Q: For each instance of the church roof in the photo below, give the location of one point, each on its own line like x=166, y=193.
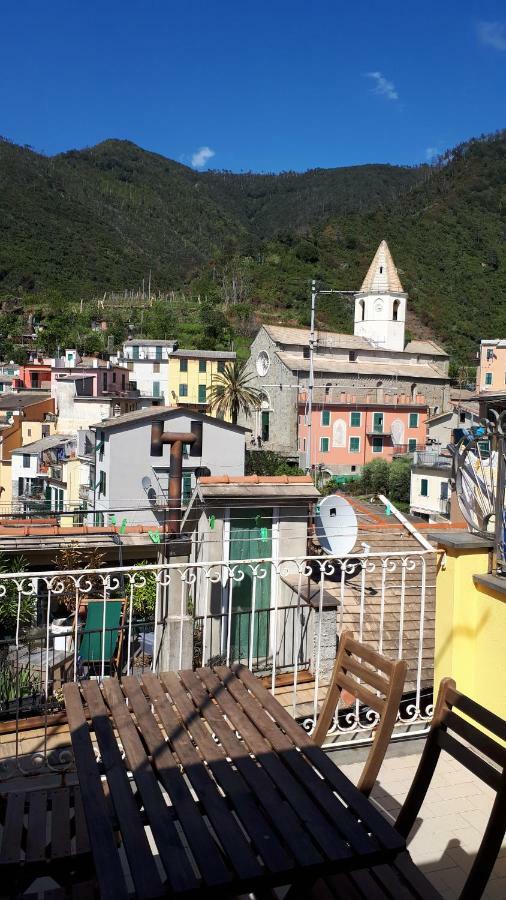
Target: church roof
x=294, y=337
x=382, y=275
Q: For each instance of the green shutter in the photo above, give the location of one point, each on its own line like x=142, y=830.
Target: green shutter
x=326, y=417
x=202, y=393
x=356, y=420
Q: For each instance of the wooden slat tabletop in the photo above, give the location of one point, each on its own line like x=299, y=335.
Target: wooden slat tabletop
x=236, y=796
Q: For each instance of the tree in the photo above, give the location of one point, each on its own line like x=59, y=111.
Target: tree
x=265, y=462
x=399, y=479
x=232, y=393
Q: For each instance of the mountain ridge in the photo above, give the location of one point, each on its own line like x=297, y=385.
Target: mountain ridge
x=99, y=219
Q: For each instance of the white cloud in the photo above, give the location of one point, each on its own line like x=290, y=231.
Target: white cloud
x=493, y=34
x=383, y=86
x=201, y=157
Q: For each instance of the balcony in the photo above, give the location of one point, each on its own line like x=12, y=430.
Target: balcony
x=173, y=621
x=379, y=432
x=432, y=459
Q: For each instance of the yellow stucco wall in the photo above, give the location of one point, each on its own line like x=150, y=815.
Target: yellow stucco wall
x=470, y=630
x=191, y=379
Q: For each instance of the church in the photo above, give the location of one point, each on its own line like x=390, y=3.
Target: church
x=372, y=391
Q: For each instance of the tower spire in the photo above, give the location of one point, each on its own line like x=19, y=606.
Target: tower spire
x=382, y=275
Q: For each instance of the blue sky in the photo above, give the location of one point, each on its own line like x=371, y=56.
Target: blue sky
x=266, y=86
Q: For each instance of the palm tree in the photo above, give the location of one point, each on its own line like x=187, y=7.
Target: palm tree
x=231, y=392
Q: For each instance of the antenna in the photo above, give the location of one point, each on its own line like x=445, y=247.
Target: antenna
x=336, y=525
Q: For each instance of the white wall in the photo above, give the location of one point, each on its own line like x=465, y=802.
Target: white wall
x=127, y=460
x=430, y=505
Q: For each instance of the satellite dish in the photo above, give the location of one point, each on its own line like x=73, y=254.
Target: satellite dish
x=336, y=525
x=146, y=483
x=151, y=495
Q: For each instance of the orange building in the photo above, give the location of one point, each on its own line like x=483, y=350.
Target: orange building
x=349, y=431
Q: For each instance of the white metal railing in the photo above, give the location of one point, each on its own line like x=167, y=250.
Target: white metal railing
x=278, y=616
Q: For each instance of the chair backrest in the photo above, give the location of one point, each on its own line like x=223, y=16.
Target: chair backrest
x=94, y=643
x=376, y=682
x=477, y=751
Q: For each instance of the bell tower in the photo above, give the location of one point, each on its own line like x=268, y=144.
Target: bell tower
x=380, y=305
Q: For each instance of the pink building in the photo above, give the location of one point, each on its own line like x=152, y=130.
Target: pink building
x=491, y=376
x=351, y=431
x=34, y=376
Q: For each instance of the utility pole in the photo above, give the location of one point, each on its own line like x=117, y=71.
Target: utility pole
x=149, y=285
x=310, y=386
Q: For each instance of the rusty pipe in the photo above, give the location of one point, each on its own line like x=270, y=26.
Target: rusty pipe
x=175, y=439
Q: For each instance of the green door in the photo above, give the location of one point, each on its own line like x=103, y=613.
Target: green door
x=251, y=538
x=378, y=423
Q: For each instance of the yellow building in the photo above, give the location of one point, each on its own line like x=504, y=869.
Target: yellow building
x=470, y=620
x=191, y=375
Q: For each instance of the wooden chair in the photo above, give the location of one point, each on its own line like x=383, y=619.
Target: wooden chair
x=43, y=832
x=475, y=750
x=354, y=661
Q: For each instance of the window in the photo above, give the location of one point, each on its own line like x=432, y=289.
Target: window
x=183, y=390
x=183, y=365
x=29, y=432
x=490, y=353
x=221, y=366
x=381, y=270
x=156, y=388
x=424, y=487
x=413, y=420
x=325, y=417
x=395, y=310
x=324, y=445
x=123, y=382
x=46, y=431
x=488, y=378
x=377, y=423
x=187, y=487
x=102, y=484
x=130, y=366
x=158, y=353
x=353, y=468
x=265, y=425
x=104, y=381
x=411, y=445
x=377, y=445
x=305, y=352
x=156, y=368
x=444, y=490
x=26, y=460
x=135, y=352
x=352, y=356
x=114, y=376
x=202, y=366
x=202, y=393
x=462, y=417
x=355, y=419
x=354, y=445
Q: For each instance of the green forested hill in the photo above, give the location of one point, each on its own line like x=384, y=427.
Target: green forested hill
x=243, y=247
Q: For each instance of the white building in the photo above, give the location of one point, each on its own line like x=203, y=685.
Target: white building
x=124, y=475
x=446, y=427
x=148, y=362
x=430, y=490
x=380, y=305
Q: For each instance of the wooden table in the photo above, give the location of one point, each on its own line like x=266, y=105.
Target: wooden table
x=203, y=752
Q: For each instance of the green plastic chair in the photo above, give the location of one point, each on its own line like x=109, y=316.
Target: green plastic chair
x=92, y=635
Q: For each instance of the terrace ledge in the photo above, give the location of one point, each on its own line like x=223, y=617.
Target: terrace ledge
x=494, y=583
x=460, y=540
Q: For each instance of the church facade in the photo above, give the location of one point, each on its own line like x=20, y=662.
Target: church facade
x=371, y=370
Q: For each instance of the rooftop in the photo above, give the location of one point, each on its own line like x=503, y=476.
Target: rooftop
x=45, y=443
x=300, y=336
x=206, y=354
x=145, y=342
x=22, y=399
x=428, y=347
x=162, y=412
x=296, y=362
x=297, y=487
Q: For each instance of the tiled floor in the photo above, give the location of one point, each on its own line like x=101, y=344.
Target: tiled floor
x=452, y=820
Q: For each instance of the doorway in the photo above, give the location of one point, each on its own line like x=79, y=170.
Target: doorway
x=250, y=538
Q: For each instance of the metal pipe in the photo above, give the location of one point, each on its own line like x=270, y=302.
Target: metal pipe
x=175, y=439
